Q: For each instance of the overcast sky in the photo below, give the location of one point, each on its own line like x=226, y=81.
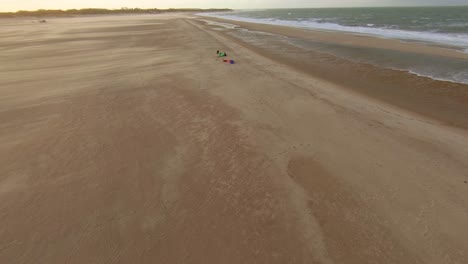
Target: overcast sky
x=14, y=5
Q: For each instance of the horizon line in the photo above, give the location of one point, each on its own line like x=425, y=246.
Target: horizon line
x=257, y=8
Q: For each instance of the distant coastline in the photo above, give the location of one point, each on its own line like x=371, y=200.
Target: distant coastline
x=101, y=11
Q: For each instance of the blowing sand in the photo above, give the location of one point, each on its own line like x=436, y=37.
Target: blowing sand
x=126, y=140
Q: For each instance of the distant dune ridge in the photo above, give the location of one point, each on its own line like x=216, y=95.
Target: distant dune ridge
x=102, y=11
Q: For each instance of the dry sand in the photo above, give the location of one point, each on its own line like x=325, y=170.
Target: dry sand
x=126, y=140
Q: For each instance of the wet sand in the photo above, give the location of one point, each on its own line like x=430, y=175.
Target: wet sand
x=126, y=140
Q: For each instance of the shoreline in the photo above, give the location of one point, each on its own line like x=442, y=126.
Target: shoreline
x=444, y=101
x=353, y=38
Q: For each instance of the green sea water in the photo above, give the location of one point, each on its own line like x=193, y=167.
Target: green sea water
x=422, y=19
x=441, y=26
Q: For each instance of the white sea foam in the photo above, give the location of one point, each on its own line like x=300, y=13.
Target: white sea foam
x=455, y=78
x=456, y=40
x=225, y=25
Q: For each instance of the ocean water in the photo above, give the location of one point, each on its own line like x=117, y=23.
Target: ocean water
x=441, y=26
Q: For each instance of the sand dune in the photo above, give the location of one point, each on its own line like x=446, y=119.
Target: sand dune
x=126, y=140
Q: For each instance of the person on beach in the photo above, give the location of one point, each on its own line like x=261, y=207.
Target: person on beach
x=221, y=54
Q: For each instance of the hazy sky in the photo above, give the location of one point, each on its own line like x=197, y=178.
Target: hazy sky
x=14, y=5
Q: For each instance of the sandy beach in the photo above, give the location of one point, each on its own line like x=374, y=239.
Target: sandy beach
x=125, y=139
